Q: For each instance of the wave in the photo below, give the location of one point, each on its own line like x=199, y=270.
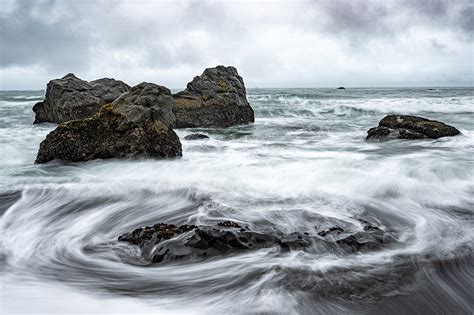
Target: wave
x=295, y=106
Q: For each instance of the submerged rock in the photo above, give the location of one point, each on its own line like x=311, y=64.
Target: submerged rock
x=167, y=242
x=137, y=123
x=196, y=136
x=71, y=98
x=410, y=127
x=215, y=99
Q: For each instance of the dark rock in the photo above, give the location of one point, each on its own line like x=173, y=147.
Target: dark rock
x=71, y=98
x=229, y=224
x=410, y=127
x=138, y=123
x=378, y=133
x=167, y=242
x=155, y=233
x=371, y=237
x=341, y=88
x=194, y=241
x=196, y=136
x=333, y=230
x=215, y=99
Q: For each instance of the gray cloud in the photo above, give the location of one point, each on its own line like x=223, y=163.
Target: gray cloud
x=362, y=19
x=29, y=35
x=300, y=43
x=357, y=18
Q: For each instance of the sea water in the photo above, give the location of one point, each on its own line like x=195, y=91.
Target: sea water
x=305, y=158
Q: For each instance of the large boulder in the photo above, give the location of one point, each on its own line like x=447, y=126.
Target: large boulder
x=215, y=99
x=410, y=127
x=168, y=242
x=138, y=123
x=71, y=98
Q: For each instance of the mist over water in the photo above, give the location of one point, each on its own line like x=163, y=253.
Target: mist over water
x=302, y=164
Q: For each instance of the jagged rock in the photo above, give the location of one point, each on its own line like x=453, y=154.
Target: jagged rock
x=371, y=237
x=167, y=242
x=71, y=98
x=137, y=123
x=215, y=99
x=196, y=136
x=410, y=127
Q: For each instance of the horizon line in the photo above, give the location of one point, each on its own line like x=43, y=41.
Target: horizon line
x=307, y=87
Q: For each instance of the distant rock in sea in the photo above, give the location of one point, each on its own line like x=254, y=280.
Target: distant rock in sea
x=410, y=127
x=341, y=88
x=196, y=136
x=71, y=98
x=138, y=123
x=215, y=99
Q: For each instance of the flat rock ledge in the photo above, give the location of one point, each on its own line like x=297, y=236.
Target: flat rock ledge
x=164, y=242
x=138, y=123
x=215, y=99
x=70, y=98
x=410, y=127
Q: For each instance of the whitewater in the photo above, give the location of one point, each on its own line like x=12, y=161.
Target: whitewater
x=303, y=162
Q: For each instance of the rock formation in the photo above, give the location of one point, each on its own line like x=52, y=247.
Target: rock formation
x=410, y=127
x=135, y=124
x=215, y=99
x=167, y=242
x=71, y=98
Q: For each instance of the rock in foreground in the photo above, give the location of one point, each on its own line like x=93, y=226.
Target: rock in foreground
x=216, y=99
x=167, y=242
x=71, y=98
x=410, y=127
x=135, y=124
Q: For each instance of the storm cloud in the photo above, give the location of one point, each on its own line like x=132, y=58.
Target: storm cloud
x=272, y=43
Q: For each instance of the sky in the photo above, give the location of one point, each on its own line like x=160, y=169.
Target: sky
x=320, y=43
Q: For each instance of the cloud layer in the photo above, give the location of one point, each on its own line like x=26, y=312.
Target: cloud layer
x=272, y=43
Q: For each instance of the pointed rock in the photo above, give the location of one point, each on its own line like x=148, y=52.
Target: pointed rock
x=215, y=99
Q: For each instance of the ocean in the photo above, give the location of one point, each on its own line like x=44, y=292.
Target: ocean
x=304, y=160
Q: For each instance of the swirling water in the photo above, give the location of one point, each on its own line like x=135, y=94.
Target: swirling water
x=303, y=160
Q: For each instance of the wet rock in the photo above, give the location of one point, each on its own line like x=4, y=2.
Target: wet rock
x=341, y=88
x=410, y=127
x=70, y=98
x=156, y=233
x=215, y=99
x=229, y=224
x=195, y=241
x=196, y=136
x=369, y=238
x=332, y=230
x=167, y=242
x=138, y=123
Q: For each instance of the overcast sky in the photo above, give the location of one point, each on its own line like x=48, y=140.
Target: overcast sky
x=319, y=43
